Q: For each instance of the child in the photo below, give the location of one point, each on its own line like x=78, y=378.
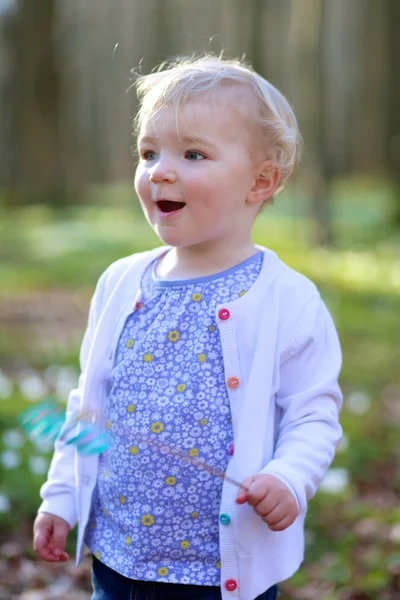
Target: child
x=209, y=344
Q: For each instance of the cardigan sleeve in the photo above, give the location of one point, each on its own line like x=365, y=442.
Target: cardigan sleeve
x=58, y=492
x=310, y=400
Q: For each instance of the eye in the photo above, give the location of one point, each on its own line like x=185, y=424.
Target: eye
x=148, y=155
x=194, y=156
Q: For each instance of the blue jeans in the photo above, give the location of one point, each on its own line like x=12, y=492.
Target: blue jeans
x=110, y=585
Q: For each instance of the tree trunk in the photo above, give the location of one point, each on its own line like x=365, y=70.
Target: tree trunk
x=37, y=170
x=370, y=116
x=393, y=129
x=307, y=21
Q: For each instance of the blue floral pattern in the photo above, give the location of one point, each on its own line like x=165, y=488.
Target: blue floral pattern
x=155, y=516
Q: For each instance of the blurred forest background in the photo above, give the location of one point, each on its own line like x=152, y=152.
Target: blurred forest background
x=68, y=208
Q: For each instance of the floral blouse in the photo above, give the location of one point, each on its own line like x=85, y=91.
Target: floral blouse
x=155, y=516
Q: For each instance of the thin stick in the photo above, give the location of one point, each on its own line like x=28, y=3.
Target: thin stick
x=160, y=445
x=45, y=415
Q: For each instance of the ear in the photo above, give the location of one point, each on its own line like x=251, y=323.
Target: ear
x=266, y=181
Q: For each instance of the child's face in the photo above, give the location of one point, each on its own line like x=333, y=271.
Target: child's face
x=193, y=183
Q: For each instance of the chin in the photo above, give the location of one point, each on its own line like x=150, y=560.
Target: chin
x=170, y=240
x=176, y=240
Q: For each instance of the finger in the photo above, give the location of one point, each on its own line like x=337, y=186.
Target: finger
x=241, y=497
x=48, y=555
x=258, y=491
x=267, y=505
x=60, y=531
x=41, y=539
x=63, y=557
x=43, y=547
x=274, y=516
x=283, y=524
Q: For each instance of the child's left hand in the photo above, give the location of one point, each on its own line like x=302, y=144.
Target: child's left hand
x=271, y=499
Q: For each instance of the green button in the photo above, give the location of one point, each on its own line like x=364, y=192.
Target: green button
x=224, y=519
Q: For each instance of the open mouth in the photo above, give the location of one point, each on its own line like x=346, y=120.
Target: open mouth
x=167, y=206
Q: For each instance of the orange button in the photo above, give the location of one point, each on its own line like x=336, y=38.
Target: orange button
x=233, y=382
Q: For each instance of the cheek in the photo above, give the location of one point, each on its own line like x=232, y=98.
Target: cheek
x=201, y=187
x=211, y=193
x=141, y=183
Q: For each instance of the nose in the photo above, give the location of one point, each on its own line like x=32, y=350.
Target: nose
x=162, y=171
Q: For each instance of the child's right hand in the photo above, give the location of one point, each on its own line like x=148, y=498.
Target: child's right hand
x=49, y=537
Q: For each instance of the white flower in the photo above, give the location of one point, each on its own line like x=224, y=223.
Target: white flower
x=5, y=503
x=335, y=481
x=395, y=533
x=13, y=438
x=358, y=403
x=38, y=465
x=6, y=386
x=10, y=459
x=32, y=386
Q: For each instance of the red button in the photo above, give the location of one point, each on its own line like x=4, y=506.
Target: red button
x=224, y=314
x=138, y=305
x=231, y=585
x=233, y=382
x=231, y=449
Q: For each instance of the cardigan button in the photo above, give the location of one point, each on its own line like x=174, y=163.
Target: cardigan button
x=138, y=305
x=231, y=449
x=224, y=519
x=224, y=314
x=233, y=382
x=231, y=585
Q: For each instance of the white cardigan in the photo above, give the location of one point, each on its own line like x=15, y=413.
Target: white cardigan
x=282, y=345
